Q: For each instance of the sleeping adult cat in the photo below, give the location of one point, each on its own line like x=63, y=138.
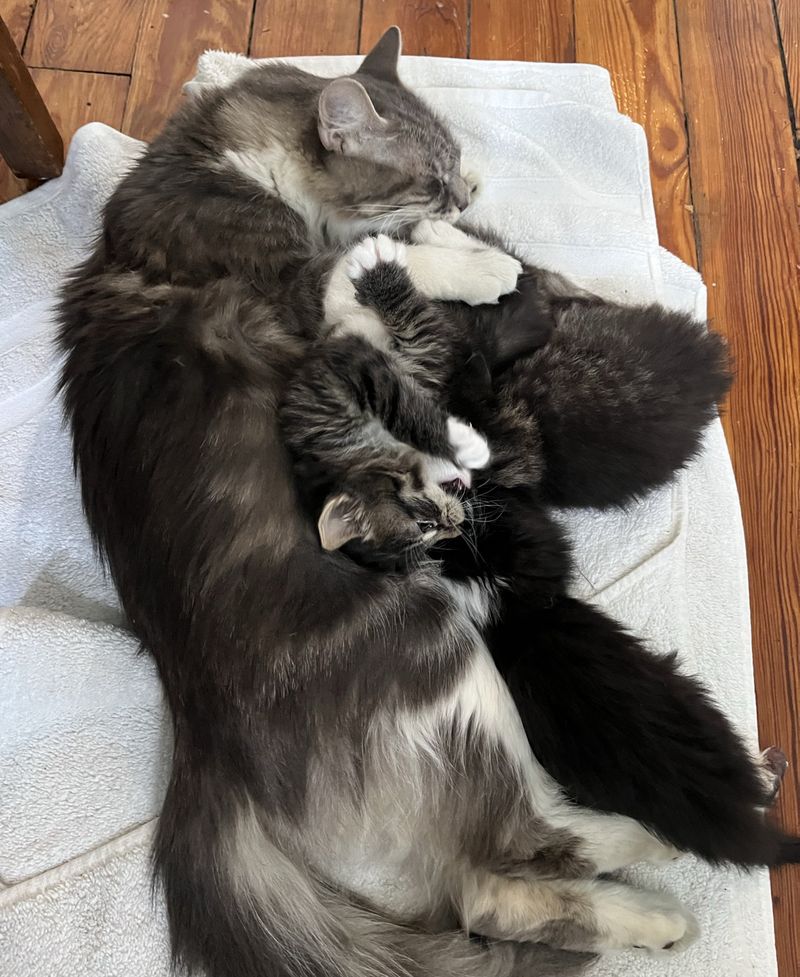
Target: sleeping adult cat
x=351, y=786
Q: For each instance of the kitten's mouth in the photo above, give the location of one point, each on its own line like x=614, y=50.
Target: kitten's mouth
x=457, y=485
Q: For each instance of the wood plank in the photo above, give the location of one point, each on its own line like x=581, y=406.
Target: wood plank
x=789, y=20
x=637, y=41
x=84, y=35
x=17, y=16
x=29, y=141
x=75, y=98
x=744, y=181
x=533, y=30
x=435, y=27
x=286, y=27
x=78, y=97
x=173, y=34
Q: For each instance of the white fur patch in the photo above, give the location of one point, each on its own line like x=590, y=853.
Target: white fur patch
x=279, y=173
x=475, y=277
x=470, y=447
x=626, y=917
x=345, y=315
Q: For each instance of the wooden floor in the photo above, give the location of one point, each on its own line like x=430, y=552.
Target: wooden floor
x=714, y=83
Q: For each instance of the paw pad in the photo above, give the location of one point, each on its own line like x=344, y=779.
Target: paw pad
x=371, y=252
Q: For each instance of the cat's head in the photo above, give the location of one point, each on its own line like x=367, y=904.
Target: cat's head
x=387, y=151
x=389, y=520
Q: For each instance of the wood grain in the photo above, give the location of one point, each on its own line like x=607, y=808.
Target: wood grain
x=744, y=179
x=286, y=27
x=78, y=97
x=173, y=34
x=74, y=98
x=637, y=41
x=436, y=27
x=789, y=20
x=84, y=35
x=17, y=17
x=523, y=30
x=29, y=141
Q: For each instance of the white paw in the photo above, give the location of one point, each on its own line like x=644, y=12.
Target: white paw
x=485, y=276
x=471, y=449
x=373, y=251
x=441, y=234
x=653, y=921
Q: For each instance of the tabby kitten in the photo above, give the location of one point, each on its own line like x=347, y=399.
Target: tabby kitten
x=352, y=789
x=597, y=706
x=622, y=729
x=378, y=461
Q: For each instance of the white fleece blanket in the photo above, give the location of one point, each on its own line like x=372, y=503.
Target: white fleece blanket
x=84, y=740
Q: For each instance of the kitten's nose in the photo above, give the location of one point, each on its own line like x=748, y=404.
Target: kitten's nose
x=459, y=189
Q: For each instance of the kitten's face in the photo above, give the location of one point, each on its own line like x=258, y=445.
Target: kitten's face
x=388, y=155
x=390, y=521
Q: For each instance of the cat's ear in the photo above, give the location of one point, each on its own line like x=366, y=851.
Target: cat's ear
x=347, y=120
x=339, y=522
x=381, y=62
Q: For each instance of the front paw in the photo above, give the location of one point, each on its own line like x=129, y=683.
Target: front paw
x=470, y=448
x=377, y=268
x=484, y=277
x=371, y=252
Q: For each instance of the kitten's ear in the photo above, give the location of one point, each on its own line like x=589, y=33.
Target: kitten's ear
x=339, y=522
x=381, y=62
x=347, y=118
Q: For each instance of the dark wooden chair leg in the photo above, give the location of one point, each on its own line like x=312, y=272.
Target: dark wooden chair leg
x=29, y=140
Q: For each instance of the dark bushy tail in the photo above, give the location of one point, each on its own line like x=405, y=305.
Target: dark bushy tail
x=622, y=396
x=240, y=906
x=624, y=731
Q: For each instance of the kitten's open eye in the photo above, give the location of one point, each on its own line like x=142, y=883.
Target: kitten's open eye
x=426, y=527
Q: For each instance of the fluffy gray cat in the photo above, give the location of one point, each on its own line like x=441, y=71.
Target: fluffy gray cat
x=352, y=790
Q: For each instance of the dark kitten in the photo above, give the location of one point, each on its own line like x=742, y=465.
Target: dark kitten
x=621, y=728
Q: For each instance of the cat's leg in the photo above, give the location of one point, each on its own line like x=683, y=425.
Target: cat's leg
x=477, y=276
x=420, y=332
x=595, y=702
x=576, y=914
x=446, y=264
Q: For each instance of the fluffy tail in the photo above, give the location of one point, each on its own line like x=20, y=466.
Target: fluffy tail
x=239, y=905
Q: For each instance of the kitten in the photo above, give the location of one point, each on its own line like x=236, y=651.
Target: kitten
x=352, y=789
x=377, y=459
x=597, y=706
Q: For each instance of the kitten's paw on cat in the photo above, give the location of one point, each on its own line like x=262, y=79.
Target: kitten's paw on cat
x=371, y=252
x=470, y=448
x=637, y=918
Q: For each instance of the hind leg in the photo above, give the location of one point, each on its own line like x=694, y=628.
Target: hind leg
x=591, y=915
